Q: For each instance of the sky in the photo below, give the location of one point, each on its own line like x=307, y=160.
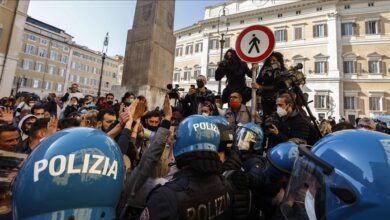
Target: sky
x=88, y=21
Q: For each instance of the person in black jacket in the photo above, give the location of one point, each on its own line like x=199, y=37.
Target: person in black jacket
x=292, y=125
x=195, y=97
x=235, y=70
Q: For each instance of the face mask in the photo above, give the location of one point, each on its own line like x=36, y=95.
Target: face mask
x=234, y=104
x=39, y=116
x=309, y=206
x=31, y=104
x=205, y=114
x=131, y=101
x=218, y=105
x=200, y=83
x=281, y=111
x=152, y=128
x=110, y=102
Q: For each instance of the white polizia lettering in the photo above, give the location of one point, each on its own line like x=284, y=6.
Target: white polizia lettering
x=60, y=164
x=205, y=126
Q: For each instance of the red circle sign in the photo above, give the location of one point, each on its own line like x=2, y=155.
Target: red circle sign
x=255, y=43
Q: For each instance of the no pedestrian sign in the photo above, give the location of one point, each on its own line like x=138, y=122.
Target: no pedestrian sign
x=255, y=43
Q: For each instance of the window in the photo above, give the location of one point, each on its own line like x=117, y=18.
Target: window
x=320, y=30
x=260, y=18
x=242, y=22
x=48, y=85
x=179, y=51
x=40, y=67
x=371, y=4
x=372, y=27
x=298, y=35
x=31, y=37
x=66, y=49
x=51, y=69
x=198, y=47
x=196, y=74
x=280, y=15
x=30, y=49
x=27, y=64
x=213, y=26
x=211, y=73
x=188, y=49
x=298, y=12
x=320, y=67
x=59, y=87
x=319, y=9
x=42, y=52
x=54, y=55
x=350, y=103
x=55, y=45
x=281, y=35
x=374, y=66
x=348, y=29
x=64, y=58
x=61, y=72
x=35, y=83
x=321, y=101
x=176, y=77
x=349, y=67
x=213, y=44
x=375, y=103
x=187, y=75
x=347, y=7
x=43, y=41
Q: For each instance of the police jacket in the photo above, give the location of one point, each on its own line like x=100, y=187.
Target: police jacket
x=136, y=178
x=294, y=127
x=190, y=195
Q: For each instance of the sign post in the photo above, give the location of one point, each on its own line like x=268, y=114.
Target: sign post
x=254, y=44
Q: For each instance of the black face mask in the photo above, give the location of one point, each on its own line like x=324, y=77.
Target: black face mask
x=152, y=128
x=199, y=83
x=110, y=102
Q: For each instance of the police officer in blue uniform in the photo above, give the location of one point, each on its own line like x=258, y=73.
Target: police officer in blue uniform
x=74, y=174
x=197, y=190
x=346, y=175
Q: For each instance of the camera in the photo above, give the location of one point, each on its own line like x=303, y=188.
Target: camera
x=224, y=63
x=173, y=93
x=293, y=77
x=270, y=120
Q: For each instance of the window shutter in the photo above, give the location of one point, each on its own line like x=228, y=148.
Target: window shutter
x=327, y=102
x=355, y=66
x=315, y=67
x=316, y=101
x=383, y=67
x=285, y=35
x=325, y=30
x=210, y=43
x=345, y=67
x=367, y=31
x=355, y=29
x=370, y=70
x=359, y=68
x=326, y=67
x=343, y=29
x=379, y=24
x=227, y=42
x=370, y=103
x=314, y=31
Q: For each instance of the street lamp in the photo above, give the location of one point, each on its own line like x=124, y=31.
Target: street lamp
x=222, y=19
x=104, y=51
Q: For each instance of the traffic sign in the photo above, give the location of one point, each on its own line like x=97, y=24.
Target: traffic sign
x=255, y=43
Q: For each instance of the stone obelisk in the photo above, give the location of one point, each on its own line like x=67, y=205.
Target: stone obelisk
x=150, y=47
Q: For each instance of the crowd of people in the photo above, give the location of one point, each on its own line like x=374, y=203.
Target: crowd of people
x=194, y=160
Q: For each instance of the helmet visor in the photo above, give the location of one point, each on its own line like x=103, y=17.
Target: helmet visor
x=245, y=139
x=304, y=198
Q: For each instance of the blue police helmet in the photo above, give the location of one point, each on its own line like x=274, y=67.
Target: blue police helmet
x=249, y=136
x=196, y=133
x=283, y=156
x=218, y=119
x=76, y=173
x=346, y=175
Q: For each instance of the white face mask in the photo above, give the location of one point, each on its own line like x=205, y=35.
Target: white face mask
x=281, y=111
x=205, y=114
x=309, y=206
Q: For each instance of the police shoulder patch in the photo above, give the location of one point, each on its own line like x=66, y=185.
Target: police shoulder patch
x=145, y=214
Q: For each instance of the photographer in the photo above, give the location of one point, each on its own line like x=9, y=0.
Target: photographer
x=292, y=125
x=195, y=97
x=267, y=81
x=235, y=71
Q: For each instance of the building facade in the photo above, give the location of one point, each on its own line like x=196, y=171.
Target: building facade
x=12, y=19
x=341, y=44
x=50, y=62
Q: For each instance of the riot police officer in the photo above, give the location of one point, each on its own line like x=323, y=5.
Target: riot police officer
x=197, y=191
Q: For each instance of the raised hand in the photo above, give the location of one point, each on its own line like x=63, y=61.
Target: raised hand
x=6, y=114
x=167, y=108
x=52, y=126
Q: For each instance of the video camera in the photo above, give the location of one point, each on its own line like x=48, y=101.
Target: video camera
x=293, y=77
x=173, y=93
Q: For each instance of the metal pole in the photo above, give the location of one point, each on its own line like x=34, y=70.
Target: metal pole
x=101, y=74
x=222, y=41
x=254, y=103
